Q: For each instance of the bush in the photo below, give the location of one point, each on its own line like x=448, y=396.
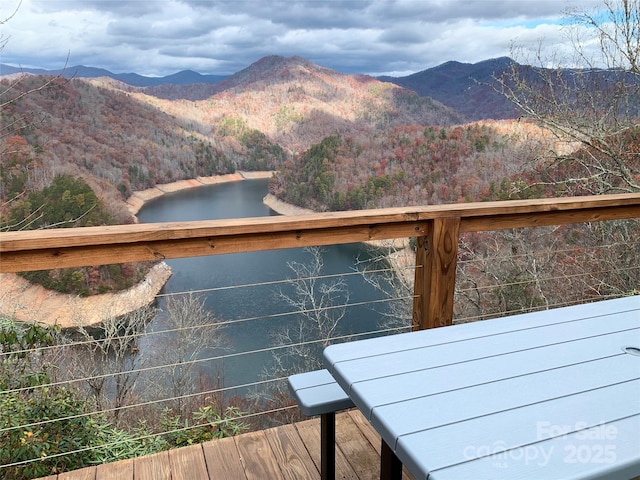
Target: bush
x=28, y=439
x=206, y=424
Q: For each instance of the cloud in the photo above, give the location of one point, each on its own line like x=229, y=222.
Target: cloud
x=159, y=37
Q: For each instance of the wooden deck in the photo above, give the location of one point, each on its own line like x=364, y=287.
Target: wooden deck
x=286, y=452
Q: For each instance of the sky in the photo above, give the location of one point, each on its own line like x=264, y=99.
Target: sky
x=375, y=37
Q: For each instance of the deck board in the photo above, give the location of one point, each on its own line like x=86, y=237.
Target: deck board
x=223, y=459
x=152, y=467
x=357, y=449
x=291, y=454
x=285, y=452
x=115, y=471
x=187, y=462
x=82, y=474
x=257, y=456
x=309, y=431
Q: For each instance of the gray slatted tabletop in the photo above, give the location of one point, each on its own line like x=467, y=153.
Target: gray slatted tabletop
x=546, y=395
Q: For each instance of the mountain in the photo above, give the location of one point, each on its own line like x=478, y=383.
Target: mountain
x=122, y=138
x=464, y=87
x=184, y=77
x=297, y=103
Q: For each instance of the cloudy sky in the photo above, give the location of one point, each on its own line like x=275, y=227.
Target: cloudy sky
x=160, y=37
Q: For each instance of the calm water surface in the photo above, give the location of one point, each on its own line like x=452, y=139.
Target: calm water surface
x=244, y=199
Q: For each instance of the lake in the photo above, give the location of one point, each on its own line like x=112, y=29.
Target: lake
x=236, y=200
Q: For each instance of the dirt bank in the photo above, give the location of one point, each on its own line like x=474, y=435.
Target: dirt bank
x=137, y=199
x=24, y=301
x=283, y=208
x=400, y=255
x=27, y=302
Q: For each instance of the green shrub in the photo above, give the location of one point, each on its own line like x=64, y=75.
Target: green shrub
x=28, y=439
x=206, y=424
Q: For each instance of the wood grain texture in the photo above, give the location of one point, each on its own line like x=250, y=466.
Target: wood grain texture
x=361, y=455
x=295, y=462
x=187, y=462
x=72, y=247
x=152, y=467
x=81, y=474
x=435, y=277
x=310, y=434
x=223, y=460
x=257, y=456
x=115, y=471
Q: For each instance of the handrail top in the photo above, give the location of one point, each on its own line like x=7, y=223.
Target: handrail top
x=116, y=234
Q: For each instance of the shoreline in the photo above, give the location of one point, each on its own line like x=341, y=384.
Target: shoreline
x=138, y=198
x=27, y=302
x=399, y=254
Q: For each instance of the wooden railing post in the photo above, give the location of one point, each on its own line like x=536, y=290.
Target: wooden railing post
x=435, y=276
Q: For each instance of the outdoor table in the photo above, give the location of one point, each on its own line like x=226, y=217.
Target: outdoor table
x=553, y=394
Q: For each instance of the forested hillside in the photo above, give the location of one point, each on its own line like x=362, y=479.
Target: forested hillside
x=411, y=165
x=467, y=88
x=296, y=104
x=105, y=135
x=121, y=139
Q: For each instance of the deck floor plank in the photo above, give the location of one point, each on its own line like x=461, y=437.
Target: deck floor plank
x=152, y=467
x=81, y=474
x=115, y=471
x=286, y=452
x=310, y=433
x=187, y=463
x=257, y=457
x=356, y=448
x=223, y=459
x=372, y=436
x=291, y=454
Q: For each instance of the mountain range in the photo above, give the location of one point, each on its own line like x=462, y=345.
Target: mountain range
x=464, y=87
x=184, y=77
x=338, y=141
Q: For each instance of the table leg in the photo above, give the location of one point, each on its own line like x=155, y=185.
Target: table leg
x=390, y=465
x=328, y=446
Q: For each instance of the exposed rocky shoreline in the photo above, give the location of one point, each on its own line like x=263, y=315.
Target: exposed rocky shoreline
x=398, y=252
x=26, y=302
x=283, y=208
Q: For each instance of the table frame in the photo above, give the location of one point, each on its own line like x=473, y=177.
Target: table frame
x=390, y=378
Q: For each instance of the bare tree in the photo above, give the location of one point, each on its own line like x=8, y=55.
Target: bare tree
x=590, y=101
x=319, y=303
x=109, y=359
x=389, y=269
x=16, y=154
x=192, y=330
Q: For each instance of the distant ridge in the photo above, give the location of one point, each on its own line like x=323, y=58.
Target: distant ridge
x=465, y=87
x=185, y=77
x=261, y=75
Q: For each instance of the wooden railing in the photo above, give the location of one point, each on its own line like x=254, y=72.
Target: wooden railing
x=437, y=229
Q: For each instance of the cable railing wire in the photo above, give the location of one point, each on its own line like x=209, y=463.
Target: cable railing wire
x=348, y=337
x=474, y=318
x=152, y=435
x=221, y=323
x=218, y=324
x=462, y=263
x=547, y=279
x=199, y=360
x=573, y=250
x=200, y=326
